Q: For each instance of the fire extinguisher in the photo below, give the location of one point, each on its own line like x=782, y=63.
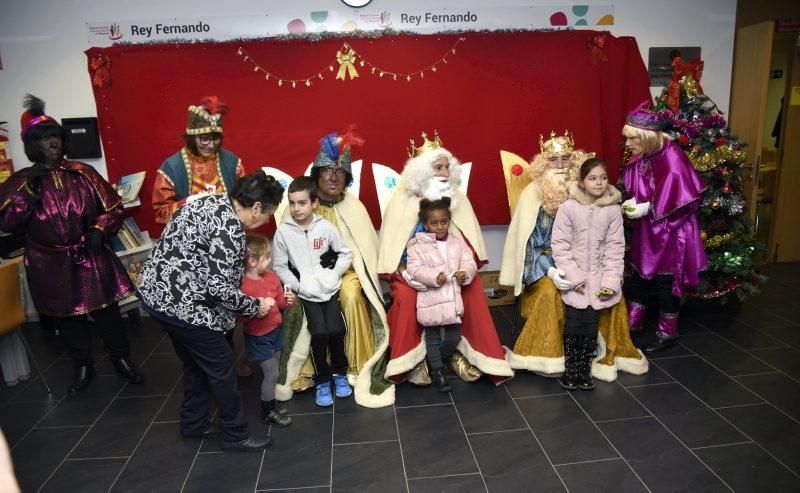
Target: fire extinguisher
x=6, y=166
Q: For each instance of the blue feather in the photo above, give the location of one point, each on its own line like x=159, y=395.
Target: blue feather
x=329, y=146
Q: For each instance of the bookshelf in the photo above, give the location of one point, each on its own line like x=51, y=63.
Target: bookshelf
x=132, y=259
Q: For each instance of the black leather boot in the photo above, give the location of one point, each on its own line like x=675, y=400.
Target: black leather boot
x=249, y=444
x=270, y=414
x=569, y=380
x=83, y=376
x=437, y=375
x=586, y=349
x=127, y=370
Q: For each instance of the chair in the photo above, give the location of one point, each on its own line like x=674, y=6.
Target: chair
x=13, y=310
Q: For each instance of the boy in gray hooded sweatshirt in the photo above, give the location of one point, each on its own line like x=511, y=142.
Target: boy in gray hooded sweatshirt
x=310, y=258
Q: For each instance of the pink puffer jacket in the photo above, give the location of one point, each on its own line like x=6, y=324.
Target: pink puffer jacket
x=439, y=305
x=589, y=245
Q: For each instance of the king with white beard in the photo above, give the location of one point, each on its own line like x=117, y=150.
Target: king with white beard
x=528, y=266
x=432, y=172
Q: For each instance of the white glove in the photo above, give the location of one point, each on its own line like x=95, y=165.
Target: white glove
x=414, y=284
x=634, y=210
x=557, y=275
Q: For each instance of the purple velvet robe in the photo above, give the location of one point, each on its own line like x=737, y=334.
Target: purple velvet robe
x=64, y=277
x=667, y=240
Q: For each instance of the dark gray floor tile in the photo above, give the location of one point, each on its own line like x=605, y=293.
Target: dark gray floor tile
x=85, y=475
x=251, y=402
x=321, y=489
x=658, y=458
x=141, y=347
x=407, y=394
x=609, y=401
x=40, y=453
x=161, y=461
x=360, y=424
x=161, y=372
x=687, y=417
x=746, y=467
x=84, y=408
x=164, y=346
x=757, y=318
x=225, y=471
x=300, y=455
x=468, y=483
x=565, y=432
x=368, y=467
x=778, y=389
x=610, y=476
x=171, y=411
x=484, y=407
x=747, y=337
x=433, y=442
x=786, y=360
x=724, y=355
x=303, y=403
x=513, y=461
x=706, y=382
x=654, y=375
x=119, y=429
x=770, y=428
x=791, y=315
x=58, y=376
x=527, y=384
x=790, y=334
x=16, y=418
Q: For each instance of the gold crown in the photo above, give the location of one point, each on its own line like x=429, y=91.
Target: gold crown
x=427, y=145
x=556, y=145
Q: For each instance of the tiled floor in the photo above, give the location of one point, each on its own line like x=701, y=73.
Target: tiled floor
x=721, y=411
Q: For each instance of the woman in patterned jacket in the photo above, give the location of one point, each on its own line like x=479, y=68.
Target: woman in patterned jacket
x=191, y=285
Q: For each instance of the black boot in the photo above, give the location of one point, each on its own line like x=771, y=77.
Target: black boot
x=280, y=409
x=662, y=342
x=569, y=380
x=270, y=415
x=127, y=370
x=249, y=444
x=440, y=381
x=586, y=349
x=83, y=376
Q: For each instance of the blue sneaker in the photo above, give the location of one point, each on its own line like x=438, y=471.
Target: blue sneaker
x=341, y=385
x=324, y=397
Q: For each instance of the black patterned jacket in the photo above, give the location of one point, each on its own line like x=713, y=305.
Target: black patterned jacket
x=195, y=270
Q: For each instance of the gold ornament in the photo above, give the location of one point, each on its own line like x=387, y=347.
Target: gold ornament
x=716, y=204
x=346, y=67
x=718, y=156
x=427, y=145
x=689, y=85
x=556, y=145
x=703, y=235
x=717, y=241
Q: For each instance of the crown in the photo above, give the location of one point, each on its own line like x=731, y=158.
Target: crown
x=556, y=145
x=642, y=117
x=427, y=145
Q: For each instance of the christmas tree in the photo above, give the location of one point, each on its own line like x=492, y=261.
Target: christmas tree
x=697, y=125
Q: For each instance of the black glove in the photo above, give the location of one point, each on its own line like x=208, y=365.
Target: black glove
x=95, y=240
x=35, y=175
x=328, y=259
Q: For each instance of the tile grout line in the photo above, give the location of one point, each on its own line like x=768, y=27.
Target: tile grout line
x=621, y=419
x=495, y=431
x=424, y=405
x=537, y=396
x=362, y=443
x=546, y=455
x=723, y=445
x=681, y=441
x=620, y=456
x=400, y=444
x=756, y=374
x=596, y=460
x=446, y=476
x=715, y=411
x=261, y=462
x=333, y=432
x=648, y=384
x=155, y=416
x=738, y=405
x=296, y=488
x=469, y=444
x=95, y=458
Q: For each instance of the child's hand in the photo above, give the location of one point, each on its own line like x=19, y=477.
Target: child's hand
x=263, y=308
x=461, y=277
x=605, y=293
x=441, y=278
x=270, y=302
x=287, y=293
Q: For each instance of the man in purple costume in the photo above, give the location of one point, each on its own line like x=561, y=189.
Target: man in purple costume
x=666, y=252
x=68, y=212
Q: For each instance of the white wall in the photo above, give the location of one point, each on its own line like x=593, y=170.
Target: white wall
x=42, y=44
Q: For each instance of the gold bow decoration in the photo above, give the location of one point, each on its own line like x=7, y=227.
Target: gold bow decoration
x=346, y=57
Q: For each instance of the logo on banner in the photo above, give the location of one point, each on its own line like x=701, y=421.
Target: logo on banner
x=114, y=32
x=356, y=3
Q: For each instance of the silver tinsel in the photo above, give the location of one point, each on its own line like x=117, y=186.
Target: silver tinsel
x=735, y=204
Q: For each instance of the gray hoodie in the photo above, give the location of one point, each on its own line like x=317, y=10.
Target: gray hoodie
x=303, y=249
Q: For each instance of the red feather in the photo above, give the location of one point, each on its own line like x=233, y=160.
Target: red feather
x=214, y=106
x=350, y=138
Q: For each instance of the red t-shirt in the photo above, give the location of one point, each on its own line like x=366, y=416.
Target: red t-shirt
x=269, y=286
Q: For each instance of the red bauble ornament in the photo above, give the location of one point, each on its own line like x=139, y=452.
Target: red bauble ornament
x=696, y=149
x=516, y=170
x=720, y=141
x=683, y=140
x=726, y=188
x=725, y=171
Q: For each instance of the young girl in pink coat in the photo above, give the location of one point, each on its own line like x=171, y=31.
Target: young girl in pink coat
x=443, y=263
x=589, y=245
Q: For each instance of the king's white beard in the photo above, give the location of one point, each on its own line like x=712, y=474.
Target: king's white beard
x=554, y=190
x=436, y=188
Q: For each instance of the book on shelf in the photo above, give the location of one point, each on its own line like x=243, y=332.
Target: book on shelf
x=128, y=187
x=129, y=237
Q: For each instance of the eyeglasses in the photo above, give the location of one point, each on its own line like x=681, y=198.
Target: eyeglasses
x=207, y=139
x=334, y=171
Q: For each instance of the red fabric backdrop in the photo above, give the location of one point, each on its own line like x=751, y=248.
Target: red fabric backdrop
x=499, y=91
